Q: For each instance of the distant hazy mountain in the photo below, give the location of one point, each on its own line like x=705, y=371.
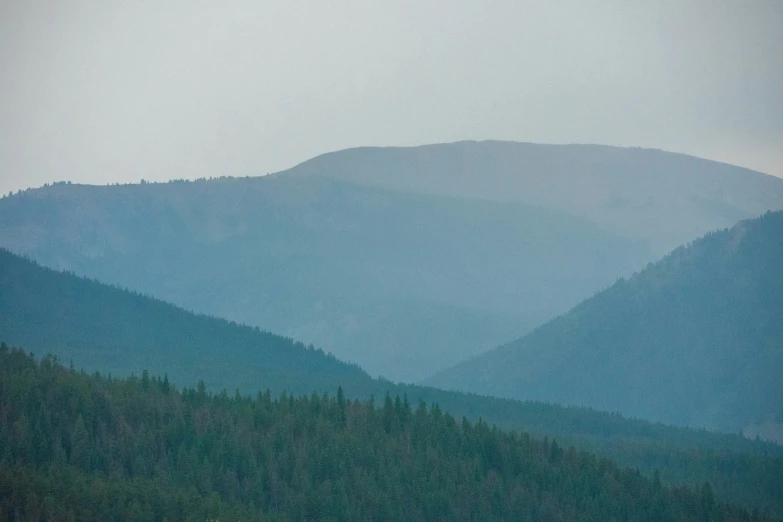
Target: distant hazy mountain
x=413, y=260
x=402, y=284
x=660, y=197
x=695, y=339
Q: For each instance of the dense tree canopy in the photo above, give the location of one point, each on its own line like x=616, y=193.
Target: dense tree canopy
x=75, y=446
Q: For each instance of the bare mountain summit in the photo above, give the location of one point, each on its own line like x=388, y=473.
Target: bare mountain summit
x=663, y=198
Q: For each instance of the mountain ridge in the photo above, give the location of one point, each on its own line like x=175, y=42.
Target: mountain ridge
x=114, y=330
x=626, y=190
x=703, y=322
x=328, y=261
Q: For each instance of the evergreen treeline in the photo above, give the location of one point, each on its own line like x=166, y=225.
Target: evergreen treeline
x=741, y=471
x=75, y=446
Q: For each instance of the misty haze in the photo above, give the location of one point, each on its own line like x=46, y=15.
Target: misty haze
x=410, y=261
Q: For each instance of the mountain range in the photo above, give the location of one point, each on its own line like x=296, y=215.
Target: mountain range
x=402, y=284
x=405, y=261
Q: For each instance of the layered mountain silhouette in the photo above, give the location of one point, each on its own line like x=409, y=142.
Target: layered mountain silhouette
x=694, y=339
x=402, y=284
x=403, y=260
x=93, y=326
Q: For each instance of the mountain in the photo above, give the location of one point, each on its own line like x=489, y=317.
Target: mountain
x=402, y=284
x=114, y=331
x=661, y=198
x=76, y=446
x=402, y=260
x=101, y=328
x=695, y=339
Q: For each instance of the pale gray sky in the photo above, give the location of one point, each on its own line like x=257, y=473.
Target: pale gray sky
x=101, y=91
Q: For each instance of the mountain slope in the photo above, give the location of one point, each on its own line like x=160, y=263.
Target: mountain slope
x=663, y=198
x=695, y=339
x=112, y=330
x=101, y=328
x=401, y=284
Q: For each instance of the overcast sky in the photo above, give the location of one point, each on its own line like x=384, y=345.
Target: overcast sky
x=103, y=91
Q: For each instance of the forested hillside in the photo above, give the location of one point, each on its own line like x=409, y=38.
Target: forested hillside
x=661, y=198
x=695, y=339
x=113, y=331
x=402, y=284
x=74, y=446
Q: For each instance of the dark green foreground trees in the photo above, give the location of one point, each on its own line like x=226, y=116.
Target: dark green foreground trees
x=74, y=446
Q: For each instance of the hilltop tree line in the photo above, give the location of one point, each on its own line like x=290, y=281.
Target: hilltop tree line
x=78, y=446
x=118, y=184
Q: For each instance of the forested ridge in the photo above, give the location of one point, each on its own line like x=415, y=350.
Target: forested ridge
x=106, y=328
x=79, y=446
x=114, y=331
x=694, y=339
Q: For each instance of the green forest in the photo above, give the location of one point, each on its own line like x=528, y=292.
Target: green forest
x=97, y=327
x=75, y=446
